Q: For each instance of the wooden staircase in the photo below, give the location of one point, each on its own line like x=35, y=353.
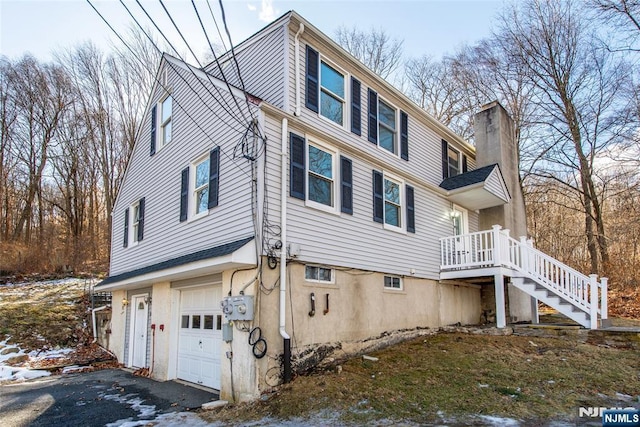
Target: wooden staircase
x=579, y=297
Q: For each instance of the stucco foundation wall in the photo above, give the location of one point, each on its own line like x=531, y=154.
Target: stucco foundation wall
x=118, y=320
x=361, y=314
x=160, y=340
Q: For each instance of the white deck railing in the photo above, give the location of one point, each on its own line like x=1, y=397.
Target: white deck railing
x=495, y=248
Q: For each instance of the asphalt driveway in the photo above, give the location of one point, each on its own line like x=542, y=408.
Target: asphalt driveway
x=109, y=397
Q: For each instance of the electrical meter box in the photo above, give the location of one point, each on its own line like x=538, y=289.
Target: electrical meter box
x=239, y=307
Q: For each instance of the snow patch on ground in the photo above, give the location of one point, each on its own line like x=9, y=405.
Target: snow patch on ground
x=9, y=373
x=136, y=403
x=182, y=419
x=499, y=421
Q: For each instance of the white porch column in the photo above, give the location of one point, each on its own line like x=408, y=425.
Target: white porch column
x=604, y=304
x=593, y=298
x=501, y=318
x=497, y=253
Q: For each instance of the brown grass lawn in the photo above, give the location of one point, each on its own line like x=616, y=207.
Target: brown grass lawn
x=452, y=376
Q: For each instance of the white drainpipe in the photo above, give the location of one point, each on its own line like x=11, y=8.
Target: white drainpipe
x=297, y=67
x=283, y=252
x=283, y=229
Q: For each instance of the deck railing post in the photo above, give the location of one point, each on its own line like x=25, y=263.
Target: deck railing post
x=604, y=304
x=524, y=254
x=593, y=294
x=497, y=254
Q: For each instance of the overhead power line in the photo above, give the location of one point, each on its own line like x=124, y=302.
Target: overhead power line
x=146, y=66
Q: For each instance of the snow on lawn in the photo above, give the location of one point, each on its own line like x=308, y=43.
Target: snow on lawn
x=13, y=373
x=10, y=373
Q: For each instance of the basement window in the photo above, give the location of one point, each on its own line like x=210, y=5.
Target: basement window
x=393, y=282
x=318, y=274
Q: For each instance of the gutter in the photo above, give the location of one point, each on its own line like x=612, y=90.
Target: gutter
x=283, y=253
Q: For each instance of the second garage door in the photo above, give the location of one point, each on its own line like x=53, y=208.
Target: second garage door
x=200, y=336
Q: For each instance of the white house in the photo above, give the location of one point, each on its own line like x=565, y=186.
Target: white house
x=310, y=210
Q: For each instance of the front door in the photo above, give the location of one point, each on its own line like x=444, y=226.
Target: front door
x=139, y=318
x=460, y=219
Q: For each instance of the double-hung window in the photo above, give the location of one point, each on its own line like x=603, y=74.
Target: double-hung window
x=200, y=186
x=134, y=223
x=201, y=189
x=453, y=162
x=165, y=120
x=332, y=98
x=393, y=203
x=320, y=179
x=320, y=176
x=387, y=126
x=325, y=88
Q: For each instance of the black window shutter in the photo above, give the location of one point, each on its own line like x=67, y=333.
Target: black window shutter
x=141, y=220
x=445, y=159
x=346, y=184
x=153, y=130
x=313, y=71
x=356, y=109
x=214, y=177
x=125, y=243
x=404, y=135
x=378, y=197
x=184, y=194
x=411, y=211
x=373, y=116
x=297, y=167
x=465, y=166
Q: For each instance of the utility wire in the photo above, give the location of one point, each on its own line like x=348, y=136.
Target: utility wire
x=215, y=57
x=233, y=56
x=164, y=87
x=215, y=21
x=201, y=66
x=182, y=59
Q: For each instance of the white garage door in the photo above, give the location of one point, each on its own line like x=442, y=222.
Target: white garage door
x=200, y=336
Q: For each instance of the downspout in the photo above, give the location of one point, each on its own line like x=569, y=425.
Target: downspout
x=283, y=253
x=297, y=66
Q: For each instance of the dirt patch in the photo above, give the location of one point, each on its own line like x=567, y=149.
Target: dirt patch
x=455, y=376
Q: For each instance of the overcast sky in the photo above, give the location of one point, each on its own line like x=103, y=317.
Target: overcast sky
x=430, y=27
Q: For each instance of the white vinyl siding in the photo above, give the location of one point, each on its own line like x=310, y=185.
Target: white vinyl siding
x=356, y=241
x=165, y=236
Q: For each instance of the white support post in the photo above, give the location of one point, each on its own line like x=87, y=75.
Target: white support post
x=593, y=294
x=497, y=259
x=604, y=302
x=501, y=318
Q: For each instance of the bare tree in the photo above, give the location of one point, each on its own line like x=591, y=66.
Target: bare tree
x=374, y=48
x=433, y=86
x=40, y=93
x=578, y=94
x=624, y=17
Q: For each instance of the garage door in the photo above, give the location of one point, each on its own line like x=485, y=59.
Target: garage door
x=200, y=336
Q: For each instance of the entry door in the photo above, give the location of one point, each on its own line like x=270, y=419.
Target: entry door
x=139, y=317
x=460, y=220
x=200, y=336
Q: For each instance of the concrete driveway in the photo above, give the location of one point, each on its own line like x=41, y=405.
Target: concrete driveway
x=111, y=397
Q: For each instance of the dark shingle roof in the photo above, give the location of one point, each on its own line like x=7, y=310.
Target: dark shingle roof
x=468, y=178
x=214, y=252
